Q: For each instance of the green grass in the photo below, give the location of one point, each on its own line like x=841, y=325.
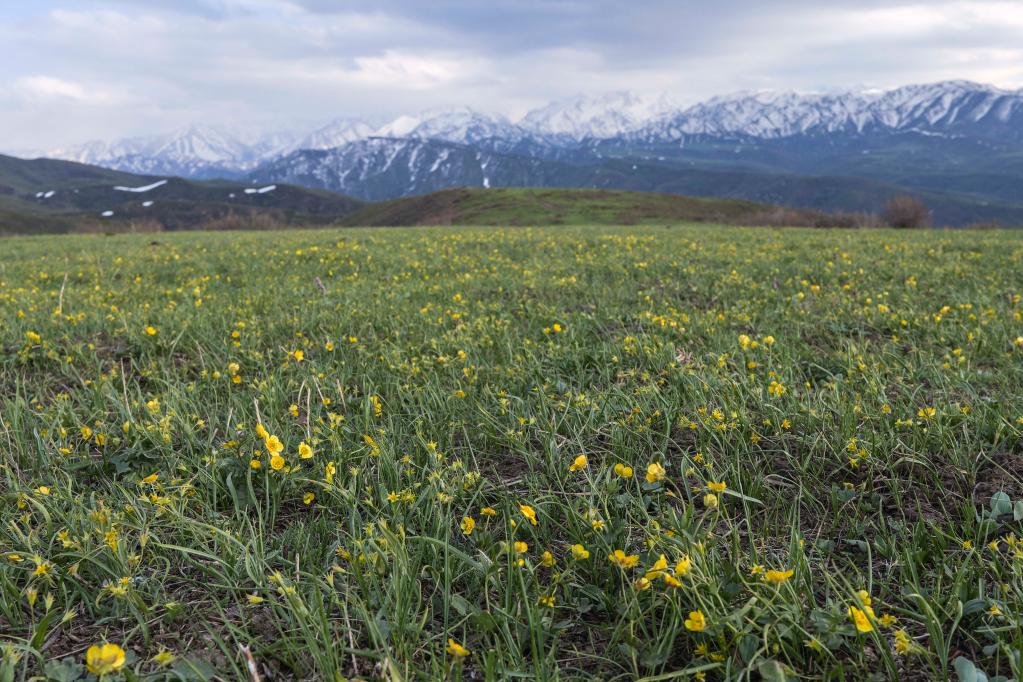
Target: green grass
x=859, y=393
x=534, y=206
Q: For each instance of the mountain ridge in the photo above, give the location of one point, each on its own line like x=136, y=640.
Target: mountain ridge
x=959, y=143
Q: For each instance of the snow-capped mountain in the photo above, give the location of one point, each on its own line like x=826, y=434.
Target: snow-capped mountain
x=193, y=151
x=461, y=125
x=600, y=117
x=954, y=137
x=941, y=108
x=949, y=108
x=384, y=168
x=337, y=133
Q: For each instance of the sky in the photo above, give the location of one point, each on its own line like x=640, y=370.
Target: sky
x=77, y=70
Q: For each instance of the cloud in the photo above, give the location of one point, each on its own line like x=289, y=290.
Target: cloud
x=120, y=67
x=47, y=87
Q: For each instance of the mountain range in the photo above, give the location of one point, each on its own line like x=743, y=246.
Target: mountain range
x=958, y=145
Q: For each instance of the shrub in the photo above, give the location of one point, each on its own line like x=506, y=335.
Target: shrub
x=906, y=212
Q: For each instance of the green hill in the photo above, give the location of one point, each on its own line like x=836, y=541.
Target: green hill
x=560, y=207
x=50, y=196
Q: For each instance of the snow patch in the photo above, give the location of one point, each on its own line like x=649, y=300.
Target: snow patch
x=260, y=190
x=142, y=189
x=107, y=214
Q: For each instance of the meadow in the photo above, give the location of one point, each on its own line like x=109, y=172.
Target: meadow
x=656, y=453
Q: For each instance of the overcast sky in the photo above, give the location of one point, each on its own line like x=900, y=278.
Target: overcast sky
x=81, y=69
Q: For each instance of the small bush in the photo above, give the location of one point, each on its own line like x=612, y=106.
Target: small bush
x=906, y=212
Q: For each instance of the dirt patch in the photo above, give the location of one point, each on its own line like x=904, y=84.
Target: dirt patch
x=1001, y=472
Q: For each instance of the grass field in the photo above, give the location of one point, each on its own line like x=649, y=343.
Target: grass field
x=624, y=453
x=531, y=206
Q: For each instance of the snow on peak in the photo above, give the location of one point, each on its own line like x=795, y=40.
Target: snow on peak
x=938, y=108
x=337, y=133
x=598, y=116
x=935, y=107
x=461, y=125
x=399, y=127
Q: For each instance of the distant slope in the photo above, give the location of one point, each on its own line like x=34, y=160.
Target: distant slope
x=383, y=168
x=552, y=207
x=46, y=196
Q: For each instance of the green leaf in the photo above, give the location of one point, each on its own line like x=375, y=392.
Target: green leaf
x=1001, y=504
x=772, y=671
x=967, y=671
x=66, y=670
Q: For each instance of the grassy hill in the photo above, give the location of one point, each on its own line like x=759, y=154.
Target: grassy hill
x=557, y=207
x=50, y=196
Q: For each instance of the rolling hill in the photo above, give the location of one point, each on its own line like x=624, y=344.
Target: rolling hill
x=47, y=195
x=519, y=207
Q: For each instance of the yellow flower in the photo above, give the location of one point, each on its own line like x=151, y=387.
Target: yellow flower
x=273, y=444
x=580, y=552
x=623, y=560
x=104, y=659
x=299, y=355
x=163, y=658
x=293, y=410
x=547, y=601
x=150, y=331
x=778, y=577
x=86, y=433
x=254, y=599
x=308, y=498
x=262, y=432
x=276, y=462
x=659, y=567
x=671, y=580
x=655, y=472
x=623, y=470
x=696, y=622
x=488, y=511
x=860, y=619
x=717, y=487
x=528, y=512
x=304, y=451
x=151, y=478
x=33, y=337
x=457, y=650
x=683, y=566
x=43, y=490
x=547, y=560
x=903, y=642
x=710, y=501
x=521, y=547
x=468, y=523
x=580, y=462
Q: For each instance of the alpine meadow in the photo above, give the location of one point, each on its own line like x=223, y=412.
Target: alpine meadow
x=657, y=453
x=511, y=341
